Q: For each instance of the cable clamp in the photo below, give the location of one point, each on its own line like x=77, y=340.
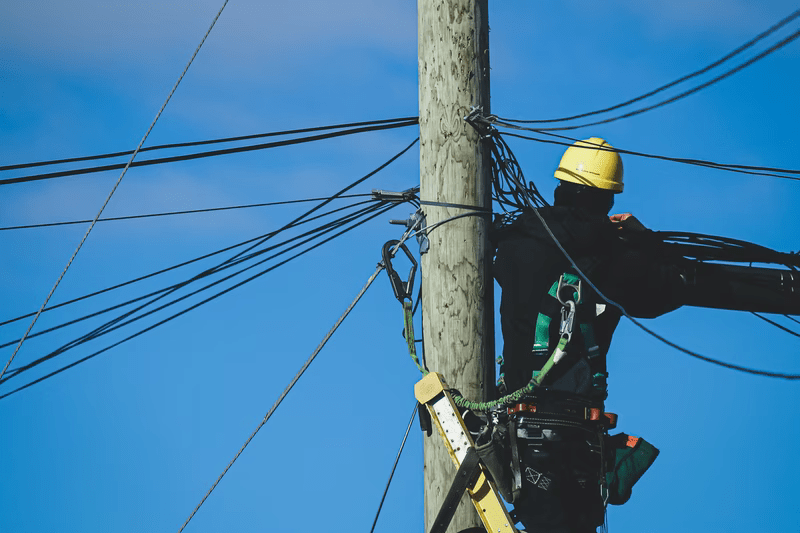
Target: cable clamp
x=416, y=224
x=483, y=125
x=394, y=196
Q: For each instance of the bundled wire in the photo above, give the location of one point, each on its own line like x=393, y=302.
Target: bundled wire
x=531, y=201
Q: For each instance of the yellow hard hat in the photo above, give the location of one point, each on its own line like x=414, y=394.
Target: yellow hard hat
x=590, y=162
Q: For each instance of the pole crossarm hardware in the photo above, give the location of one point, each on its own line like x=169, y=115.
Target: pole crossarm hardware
x=432, y=392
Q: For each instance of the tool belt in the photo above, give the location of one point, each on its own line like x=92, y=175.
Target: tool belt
x=565, y=413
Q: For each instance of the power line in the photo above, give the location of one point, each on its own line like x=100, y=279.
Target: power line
x=186, y=212
x=684, y=94
x=741, y=169
x=694, y=74
x=285, y=392
x=114, y=188
x=211, y=153
x=205, y=142
x=190, y=308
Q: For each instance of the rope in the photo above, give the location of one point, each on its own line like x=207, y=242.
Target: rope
x=286, y=391
x=113, y=189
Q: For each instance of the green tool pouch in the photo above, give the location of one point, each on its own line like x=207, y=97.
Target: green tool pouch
x=632, y=456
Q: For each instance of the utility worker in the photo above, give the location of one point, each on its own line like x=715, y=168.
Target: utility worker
x=565, y=467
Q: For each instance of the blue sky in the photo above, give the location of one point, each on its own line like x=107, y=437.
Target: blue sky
x=131, y=440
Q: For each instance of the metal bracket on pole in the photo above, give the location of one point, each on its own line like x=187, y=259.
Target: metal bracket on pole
x=431, y=391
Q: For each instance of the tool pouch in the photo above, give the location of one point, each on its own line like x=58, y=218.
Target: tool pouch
x=492, y=447
x=631, y=457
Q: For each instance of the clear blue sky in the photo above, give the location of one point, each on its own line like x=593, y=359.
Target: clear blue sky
x=131, y=440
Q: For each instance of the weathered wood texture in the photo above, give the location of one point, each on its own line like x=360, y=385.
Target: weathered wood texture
x=455, y=168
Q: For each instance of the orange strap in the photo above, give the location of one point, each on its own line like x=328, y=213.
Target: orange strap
x=632, y=441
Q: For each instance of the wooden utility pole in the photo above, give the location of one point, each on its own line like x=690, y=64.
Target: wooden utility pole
x=455, y=168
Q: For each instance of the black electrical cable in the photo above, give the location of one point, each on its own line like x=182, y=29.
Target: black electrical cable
x=211, y=153
x=261, y=239
x=779, y=326
x=174, y=286
x=206, y=142
x=695, y=162
x=694, y=74
x=115, y=324
x=684, y=94
x=194, y=306
x=187, y=212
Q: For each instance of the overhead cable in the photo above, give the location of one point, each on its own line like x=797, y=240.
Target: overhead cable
x=741, y=169
x=114, y=188
x=190, y=308
x=210, y=153
x=694, y=74
x=205, y=142
x=186, y=212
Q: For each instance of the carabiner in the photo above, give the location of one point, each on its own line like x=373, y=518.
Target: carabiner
x=567, y=320
x=402, y=290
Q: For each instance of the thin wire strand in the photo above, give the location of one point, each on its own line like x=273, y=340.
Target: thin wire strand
x=186, y=212
x=394, y=467
x=108, y=199
x=285, y=392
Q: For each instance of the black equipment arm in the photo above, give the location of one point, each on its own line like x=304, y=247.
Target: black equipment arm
x=741, y=288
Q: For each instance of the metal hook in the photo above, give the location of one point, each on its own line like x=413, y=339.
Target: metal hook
x=402, y=290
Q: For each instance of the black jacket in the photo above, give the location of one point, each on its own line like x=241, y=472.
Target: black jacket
x=626, y=269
